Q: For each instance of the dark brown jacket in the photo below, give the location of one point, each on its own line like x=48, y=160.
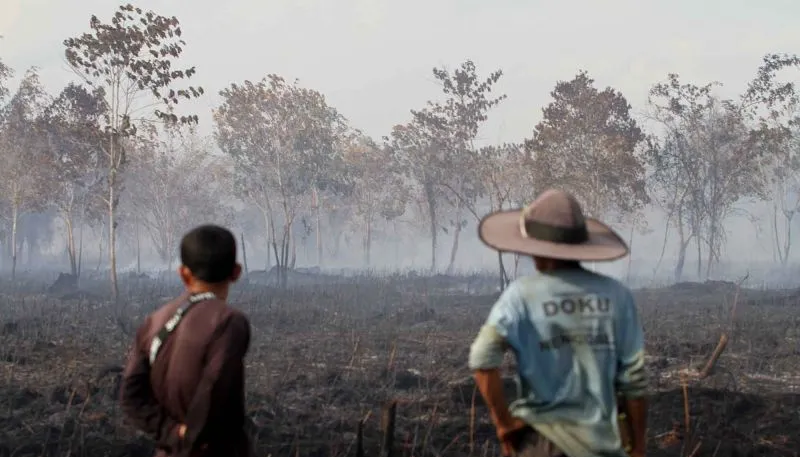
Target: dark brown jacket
x=197, y=379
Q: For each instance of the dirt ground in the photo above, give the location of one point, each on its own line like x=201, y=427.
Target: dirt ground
x=324, y=357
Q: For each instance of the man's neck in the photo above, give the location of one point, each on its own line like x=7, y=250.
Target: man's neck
x=219, y=290
x=554, y=265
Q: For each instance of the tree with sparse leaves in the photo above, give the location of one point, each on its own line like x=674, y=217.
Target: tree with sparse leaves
x=508, y=181
x=420, y=158
x=178, y=187
x=5, y=74
x=333, y=181
x=71, y=126
x=455, y=123
x=379, y=192
x=133, y=59
x=283, y=140
x=22, y=156
x=589, y=144
x=773, y=104
x=704, y=165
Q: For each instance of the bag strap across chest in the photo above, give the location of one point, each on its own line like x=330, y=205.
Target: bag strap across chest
x=172, y=322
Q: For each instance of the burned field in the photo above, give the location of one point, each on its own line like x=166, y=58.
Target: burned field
x=326, y=356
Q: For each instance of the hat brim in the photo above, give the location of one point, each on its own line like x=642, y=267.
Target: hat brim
x=501, y=231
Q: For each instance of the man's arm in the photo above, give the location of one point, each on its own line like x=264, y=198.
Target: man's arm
x=225, y=356
x=486, y=358
x=636, y=411
x=631, y=379
x=138, y=400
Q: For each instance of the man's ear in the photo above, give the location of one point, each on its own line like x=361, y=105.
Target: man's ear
x=237, y=273
x=185, y=274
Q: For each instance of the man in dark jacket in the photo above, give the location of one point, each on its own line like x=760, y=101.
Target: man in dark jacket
x=184, y=380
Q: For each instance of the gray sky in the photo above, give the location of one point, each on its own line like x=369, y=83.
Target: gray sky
x=373, y=59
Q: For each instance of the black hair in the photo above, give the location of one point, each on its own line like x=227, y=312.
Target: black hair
x=209, y=252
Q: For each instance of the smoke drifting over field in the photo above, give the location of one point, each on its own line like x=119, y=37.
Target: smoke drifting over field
x=352, y=147
x=353, y=344
x=700, y=177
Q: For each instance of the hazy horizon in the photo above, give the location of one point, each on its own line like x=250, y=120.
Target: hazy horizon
x=373, y=61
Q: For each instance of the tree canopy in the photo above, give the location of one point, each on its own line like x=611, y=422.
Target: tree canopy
x=112, y=152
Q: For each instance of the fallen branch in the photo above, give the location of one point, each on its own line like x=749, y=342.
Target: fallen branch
x=708, y=369
x=712, y=361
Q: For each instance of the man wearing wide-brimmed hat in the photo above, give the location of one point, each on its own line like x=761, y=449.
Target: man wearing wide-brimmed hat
x=576, y=336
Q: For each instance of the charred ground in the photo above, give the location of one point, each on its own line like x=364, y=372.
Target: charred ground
x=332, y=351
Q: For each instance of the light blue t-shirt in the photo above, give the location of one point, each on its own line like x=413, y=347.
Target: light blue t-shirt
x=578, y=341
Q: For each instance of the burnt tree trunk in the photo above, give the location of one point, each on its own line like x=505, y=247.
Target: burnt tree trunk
x=430, y=198
x=244, y=253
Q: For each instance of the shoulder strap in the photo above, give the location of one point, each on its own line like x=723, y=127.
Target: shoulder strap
x=173, y=322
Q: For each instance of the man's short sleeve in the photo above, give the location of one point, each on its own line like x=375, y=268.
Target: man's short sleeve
x=505, y=313
x=499, y=331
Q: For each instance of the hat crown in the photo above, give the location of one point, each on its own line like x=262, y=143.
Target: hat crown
x=556, y=208
x=553, y=226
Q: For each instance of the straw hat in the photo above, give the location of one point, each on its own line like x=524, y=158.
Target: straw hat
x=553, y=226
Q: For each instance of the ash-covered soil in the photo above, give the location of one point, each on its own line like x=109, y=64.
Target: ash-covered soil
x=324, y=357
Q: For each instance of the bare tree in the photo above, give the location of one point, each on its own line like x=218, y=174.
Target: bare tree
x=706, y=162
x=672, y=188
x=133, y=59
x=177, y=187
x=774, y=106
